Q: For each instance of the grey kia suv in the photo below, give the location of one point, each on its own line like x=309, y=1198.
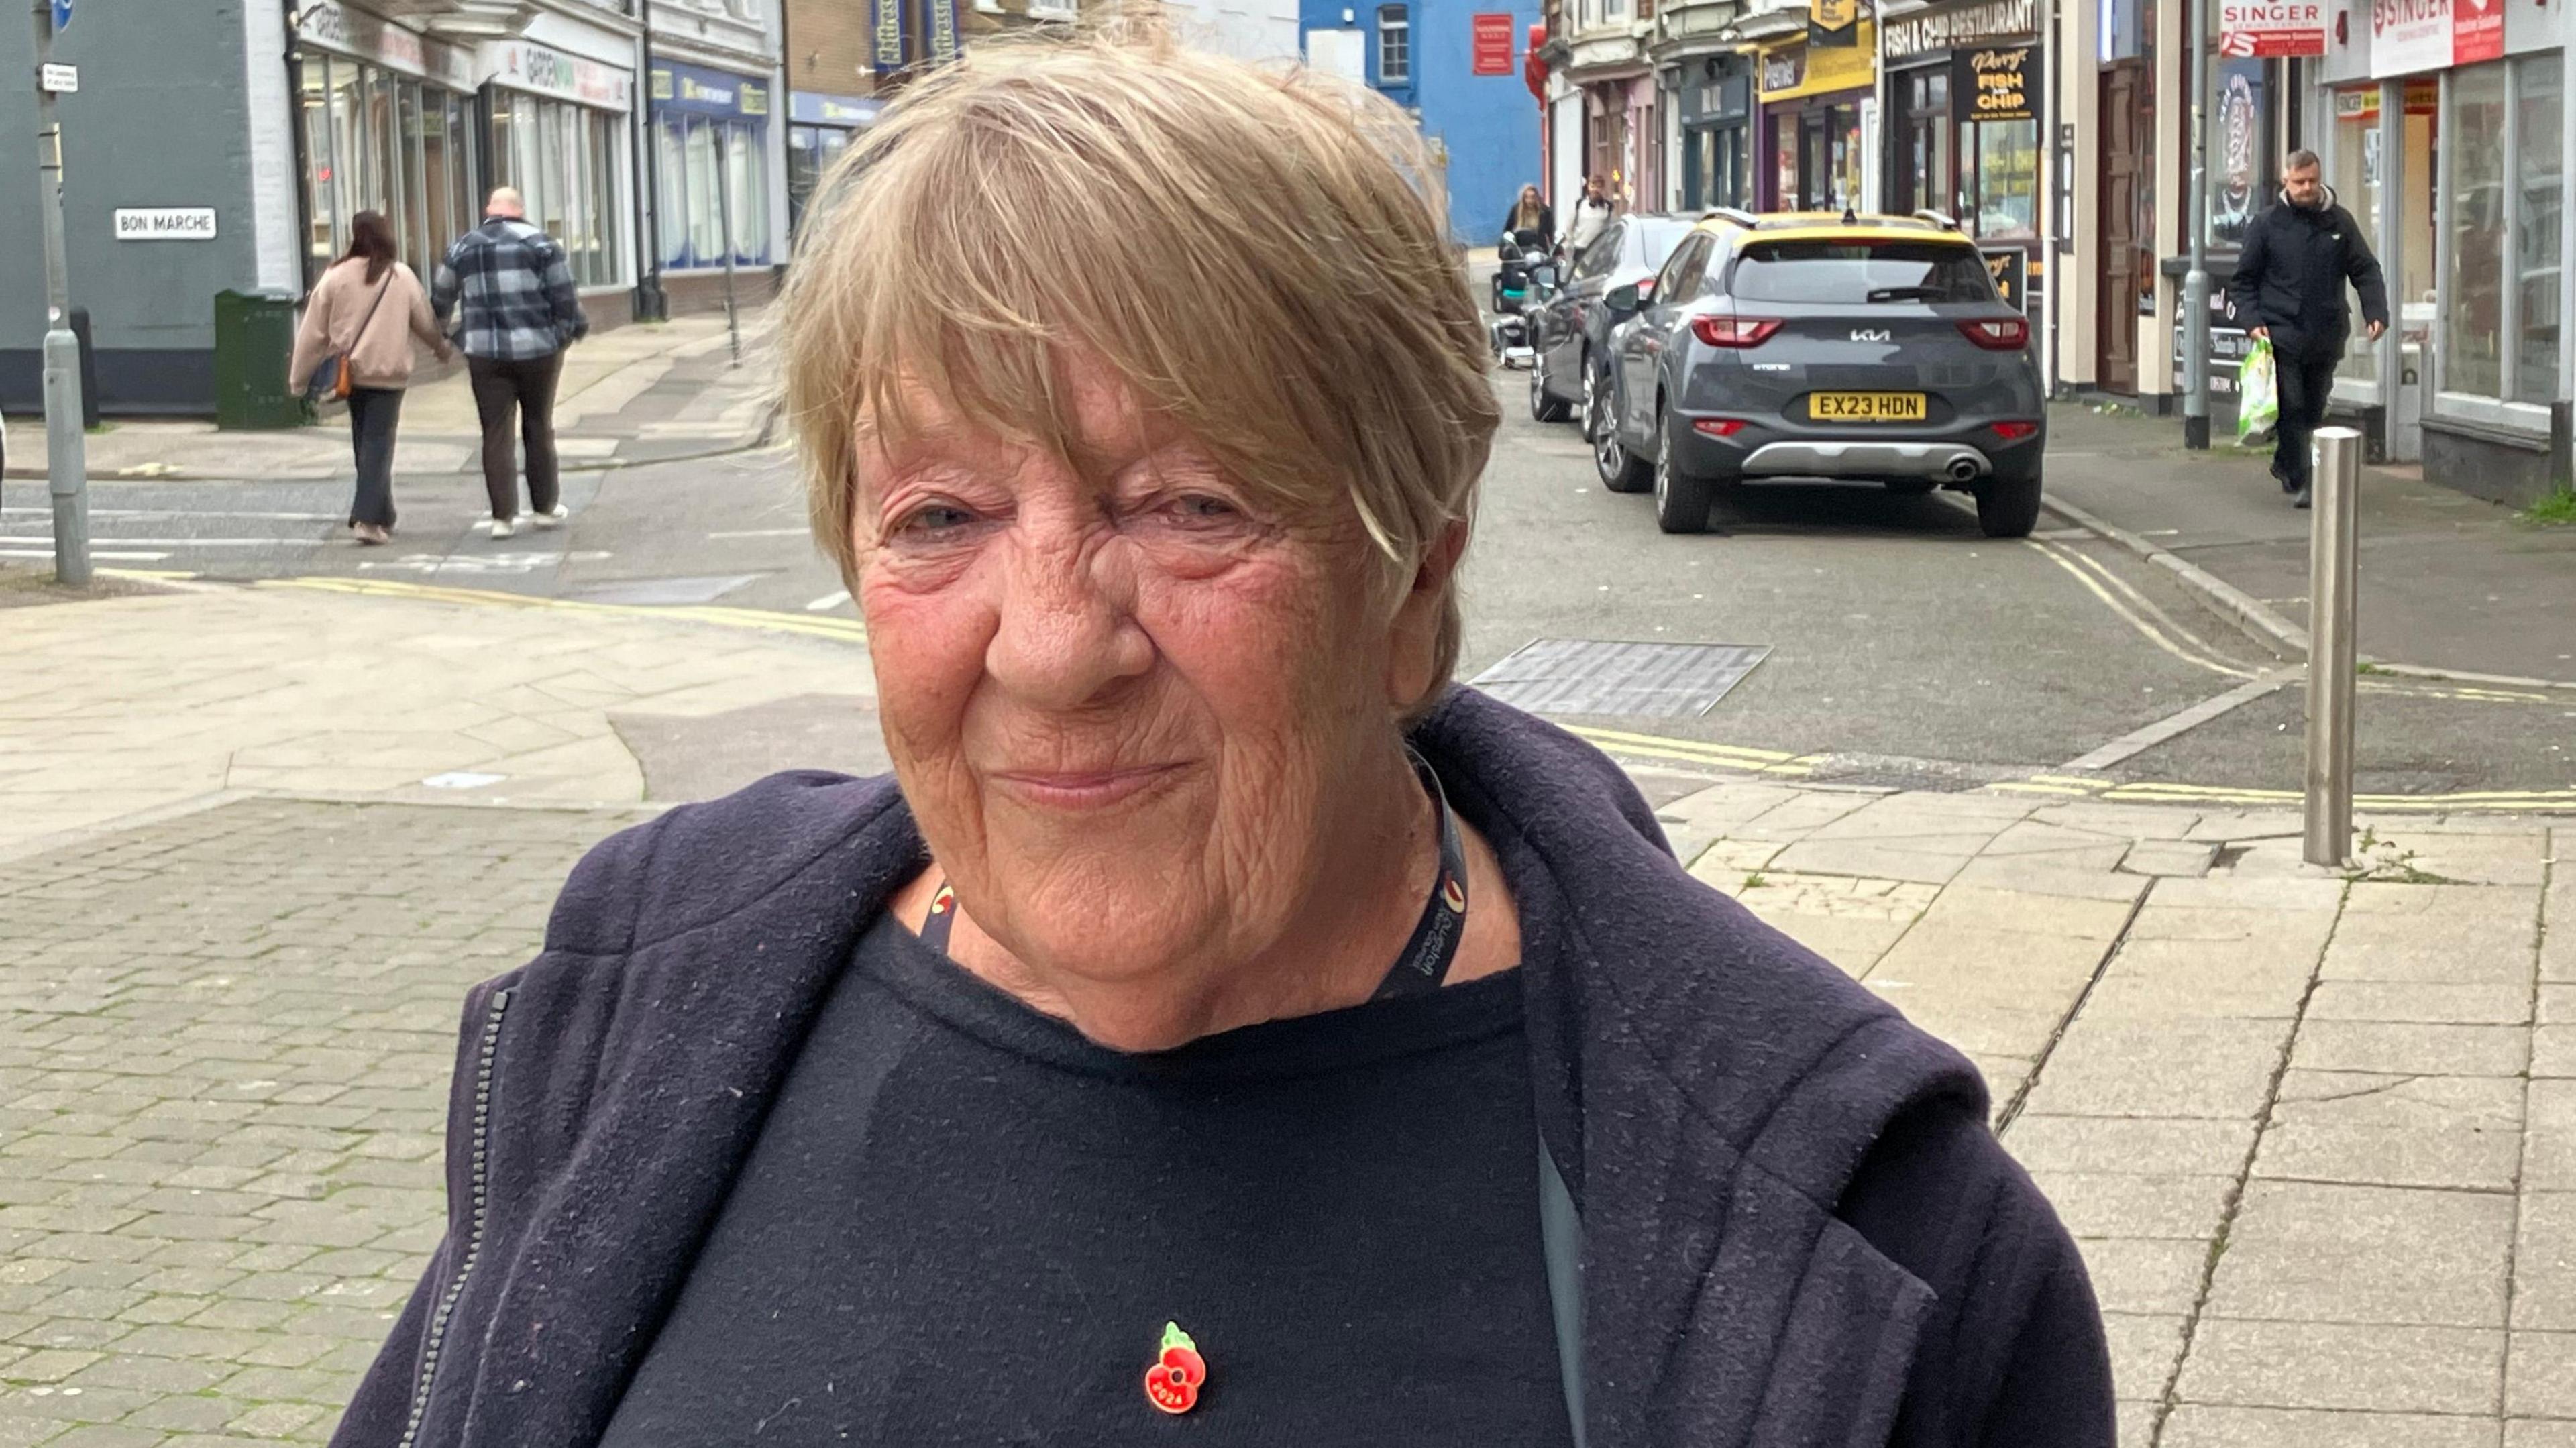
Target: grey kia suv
x=1811, y=345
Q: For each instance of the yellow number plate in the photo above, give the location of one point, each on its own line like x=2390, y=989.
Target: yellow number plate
x=1865, y=407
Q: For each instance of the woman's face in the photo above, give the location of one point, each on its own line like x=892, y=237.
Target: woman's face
x=1529, y=196
x=1119, y=689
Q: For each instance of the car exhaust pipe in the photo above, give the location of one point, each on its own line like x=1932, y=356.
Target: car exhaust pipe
x=1961, y=470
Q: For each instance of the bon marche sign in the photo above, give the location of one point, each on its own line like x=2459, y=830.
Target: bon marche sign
x=165, y=223
x=2268, y=28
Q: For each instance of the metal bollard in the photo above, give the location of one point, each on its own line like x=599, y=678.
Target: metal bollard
x=2334, y=540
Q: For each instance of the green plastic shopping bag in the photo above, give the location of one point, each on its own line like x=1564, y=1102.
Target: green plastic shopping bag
x=2258, y=394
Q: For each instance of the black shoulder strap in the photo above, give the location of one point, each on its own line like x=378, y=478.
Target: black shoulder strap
x=1561, y=1229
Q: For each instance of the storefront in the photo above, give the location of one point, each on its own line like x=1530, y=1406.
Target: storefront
x=2443, y=128
x=1716, y=133
x=819, y=128
x=559, y=135
x=1818, y=118
x=386, y=121
x=711, y=129
x=1964, y=85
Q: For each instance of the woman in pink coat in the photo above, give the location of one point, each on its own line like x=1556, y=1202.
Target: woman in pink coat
x=367, y=308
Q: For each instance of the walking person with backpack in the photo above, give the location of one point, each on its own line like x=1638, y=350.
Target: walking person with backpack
x=2288, y=291
x=355, y=344
x=518, y=312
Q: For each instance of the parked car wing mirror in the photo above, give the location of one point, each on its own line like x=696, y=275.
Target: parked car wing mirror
x=1622, y=300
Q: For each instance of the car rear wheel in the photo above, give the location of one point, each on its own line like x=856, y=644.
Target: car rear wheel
x=2008, y=507
x=1545, y=406
x=1620, y=470
x=1681, y=501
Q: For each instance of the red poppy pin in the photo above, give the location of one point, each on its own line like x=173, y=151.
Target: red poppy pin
x=1453, y=895
x=943, y=902
x=1172, y=1383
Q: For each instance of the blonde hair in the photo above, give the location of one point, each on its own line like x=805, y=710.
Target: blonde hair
x=1257, y=255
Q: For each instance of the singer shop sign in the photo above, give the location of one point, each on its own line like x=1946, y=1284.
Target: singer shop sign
x=2407, y=36
x=2264, y=29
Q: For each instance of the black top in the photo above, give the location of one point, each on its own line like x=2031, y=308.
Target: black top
x=966, y=1224
x=1340, y=1209
x=2290, y=276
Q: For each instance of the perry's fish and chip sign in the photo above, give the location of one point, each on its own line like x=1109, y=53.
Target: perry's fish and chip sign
x=2000, y=84
x=2269, y=28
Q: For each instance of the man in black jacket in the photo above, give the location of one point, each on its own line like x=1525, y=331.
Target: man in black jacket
x=2289, y=288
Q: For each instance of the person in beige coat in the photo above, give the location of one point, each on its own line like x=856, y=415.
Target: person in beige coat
x=368, y=307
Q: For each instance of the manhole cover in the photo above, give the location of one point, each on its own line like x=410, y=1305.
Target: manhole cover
x=1598, y=676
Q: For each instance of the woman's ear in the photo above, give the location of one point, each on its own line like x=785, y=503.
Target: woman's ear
x=1419, y=616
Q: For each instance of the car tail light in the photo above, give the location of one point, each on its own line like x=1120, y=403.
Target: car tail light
x=1717, y=426
x=2015, y=431
x=1998, y=334
x=1733, y=331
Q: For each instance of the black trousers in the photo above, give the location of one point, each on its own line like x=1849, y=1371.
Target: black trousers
x=2305, y=387
x=527, y=388
x=373, y=412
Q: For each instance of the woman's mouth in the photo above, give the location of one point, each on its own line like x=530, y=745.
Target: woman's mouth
x=1081, y=789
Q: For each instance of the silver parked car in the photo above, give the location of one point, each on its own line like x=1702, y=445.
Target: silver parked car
x=1870, y=348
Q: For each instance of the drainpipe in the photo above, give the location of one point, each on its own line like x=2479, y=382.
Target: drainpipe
x=293, y=57
x=651, y=303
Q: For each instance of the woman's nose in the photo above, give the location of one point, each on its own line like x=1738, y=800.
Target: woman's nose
x=1067, y=635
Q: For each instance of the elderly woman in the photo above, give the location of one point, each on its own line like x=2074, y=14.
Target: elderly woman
x=1219, y=1028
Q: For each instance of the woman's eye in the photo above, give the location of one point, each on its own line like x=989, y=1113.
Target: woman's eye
x=1202, y=507
x=934, y=519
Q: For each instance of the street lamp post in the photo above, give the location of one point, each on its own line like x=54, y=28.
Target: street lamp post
x=2195, y=282
x=66, y=448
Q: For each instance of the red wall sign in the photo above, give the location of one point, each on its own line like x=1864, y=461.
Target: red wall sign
x=1493, y=44
x=2477, y=31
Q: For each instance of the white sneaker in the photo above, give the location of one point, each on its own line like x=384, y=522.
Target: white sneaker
x=503, y=527
x=554, y=519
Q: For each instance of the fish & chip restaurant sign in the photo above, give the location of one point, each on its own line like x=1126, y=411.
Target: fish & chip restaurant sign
x=2265, y=29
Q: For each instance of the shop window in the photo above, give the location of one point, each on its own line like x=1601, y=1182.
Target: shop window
x=1394, y=46
x=2473, y=289
x=2007, y=180
x=2540, y=191
x=2353, y=170
x=1927, y=142
x=2243, y=162
x=322, y=220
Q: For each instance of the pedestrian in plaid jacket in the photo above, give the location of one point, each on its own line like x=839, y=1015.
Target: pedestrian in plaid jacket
x=518, y=313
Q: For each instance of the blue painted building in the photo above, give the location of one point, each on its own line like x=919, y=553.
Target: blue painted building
x=1422, y=54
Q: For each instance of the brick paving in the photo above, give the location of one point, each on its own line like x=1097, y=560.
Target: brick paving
x=224, y=1046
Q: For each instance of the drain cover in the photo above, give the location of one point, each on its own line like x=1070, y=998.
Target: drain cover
x=1599, y=676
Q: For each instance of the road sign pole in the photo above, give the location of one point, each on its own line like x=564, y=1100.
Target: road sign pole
x=2195, y=283
x=66, y=447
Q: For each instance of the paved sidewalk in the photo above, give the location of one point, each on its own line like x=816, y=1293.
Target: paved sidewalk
x=2317, y=1134
x=634, y=394
x=2447, y=581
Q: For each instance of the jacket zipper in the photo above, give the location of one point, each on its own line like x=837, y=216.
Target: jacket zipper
x=435, y=1337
